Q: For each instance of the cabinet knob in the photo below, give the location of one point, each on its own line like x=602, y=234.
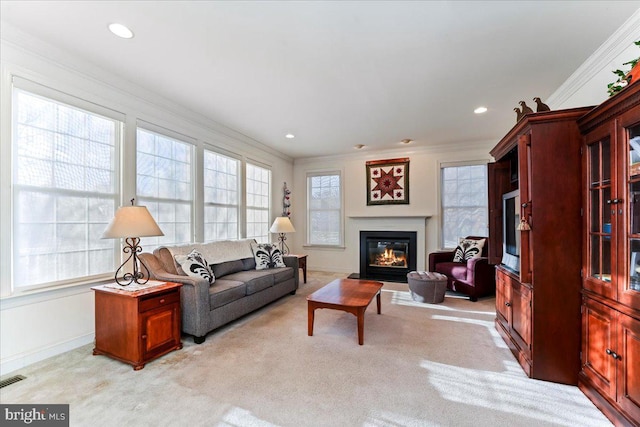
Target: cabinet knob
x=144, y=337
x=613, y=354
x=508, y=304
x=162, y=301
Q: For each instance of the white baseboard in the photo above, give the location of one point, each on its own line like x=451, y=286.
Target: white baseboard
x=15, y=363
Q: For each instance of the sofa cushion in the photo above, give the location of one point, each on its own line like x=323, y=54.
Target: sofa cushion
x=256, y=280
x=282, y=274
x=194, y=265
x=467, y=249
x=456, y=270
x=249, y=263
x=267, y=255
x=228, y=267
x=224, y=291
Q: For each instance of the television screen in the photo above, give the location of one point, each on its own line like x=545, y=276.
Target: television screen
x=511, y=234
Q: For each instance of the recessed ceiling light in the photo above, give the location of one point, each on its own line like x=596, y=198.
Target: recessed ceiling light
x=480, y=110
x=289, y=136
x=121, y=31
x=407, y=141
x=358, y=146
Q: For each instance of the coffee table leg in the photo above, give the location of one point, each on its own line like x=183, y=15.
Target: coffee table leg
x=378, y=301
x=360, y=317
x=310, y=310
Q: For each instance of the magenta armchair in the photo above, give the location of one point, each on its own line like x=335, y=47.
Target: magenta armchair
x=474, y=277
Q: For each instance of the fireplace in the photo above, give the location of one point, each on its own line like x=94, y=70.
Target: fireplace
x=387, y=255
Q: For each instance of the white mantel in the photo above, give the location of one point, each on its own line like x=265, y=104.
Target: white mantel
x=425, y=217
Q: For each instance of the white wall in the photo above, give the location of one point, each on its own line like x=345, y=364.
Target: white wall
x=421, y=214
x=46, y=323
x=587, y=86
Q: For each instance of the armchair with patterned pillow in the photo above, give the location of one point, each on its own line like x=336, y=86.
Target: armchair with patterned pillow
x=467, y=268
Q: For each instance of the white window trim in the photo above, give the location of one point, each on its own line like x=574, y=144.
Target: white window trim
x=442, y=165
x=196, y=169
x=6, y=166
x=323, y=172
x=83, y=91
x=239, y=187
x=244, y=206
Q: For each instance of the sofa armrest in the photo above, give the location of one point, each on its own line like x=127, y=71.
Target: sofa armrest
x=481, y=274
x=292, y=261
x=438, y=257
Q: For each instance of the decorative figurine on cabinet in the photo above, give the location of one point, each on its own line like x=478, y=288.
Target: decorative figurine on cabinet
x=525, y=109
x=540, y=106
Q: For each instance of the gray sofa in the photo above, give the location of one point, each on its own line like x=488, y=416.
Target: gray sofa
x=238, y=288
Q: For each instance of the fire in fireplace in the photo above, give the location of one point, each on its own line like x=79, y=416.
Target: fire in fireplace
x=387, y=255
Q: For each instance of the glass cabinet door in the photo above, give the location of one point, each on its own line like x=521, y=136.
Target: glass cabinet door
x=600, y=217
x=631, y=289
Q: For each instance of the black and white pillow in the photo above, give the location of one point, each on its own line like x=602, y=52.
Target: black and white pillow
x=467, y=249
x=194, y=265
x=267, y=255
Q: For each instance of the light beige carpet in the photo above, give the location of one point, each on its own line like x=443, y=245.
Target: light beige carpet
x=420, y=365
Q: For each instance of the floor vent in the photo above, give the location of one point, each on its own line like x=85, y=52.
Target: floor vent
x=11, y=380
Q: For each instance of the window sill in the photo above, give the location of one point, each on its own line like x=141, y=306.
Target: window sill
x=34, y=296
x=325, y=247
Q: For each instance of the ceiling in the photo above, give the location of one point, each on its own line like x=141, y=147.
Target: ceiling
x=336, y=74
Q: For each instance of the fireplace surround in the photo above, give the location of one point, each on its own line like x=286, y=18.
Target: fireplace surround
x=387, y=255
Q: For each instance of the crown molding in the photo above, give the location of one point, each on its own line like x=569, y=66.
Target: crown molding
x=467, y=147
x=620, y=40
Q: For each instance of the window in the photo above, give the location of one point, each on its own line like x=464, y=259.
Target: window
x=324, y=202
x=258, y=201
x=164, y=186
x=65, y=191
x=464, y=203
x=221, y=197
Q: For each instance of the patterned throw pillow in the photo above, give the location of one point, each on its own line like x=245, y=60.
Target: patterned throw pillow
x=467, y=249
x=267, y=255
x=194, y=265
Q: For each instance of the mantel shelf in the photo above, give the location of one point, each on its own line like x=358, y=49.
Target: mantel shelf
x=389, y=216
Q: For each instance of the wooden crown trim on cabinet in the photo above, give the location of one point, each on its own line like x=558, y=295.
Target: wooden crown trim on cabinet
x=506, y=143
x=610, y=108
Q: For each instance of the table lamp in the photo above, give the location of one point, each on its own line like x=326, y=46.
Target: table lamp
x=282, y=225
x=131, y=223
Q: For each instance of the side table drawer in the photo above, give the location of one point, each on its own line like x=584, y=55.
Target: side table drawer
x=156, y=301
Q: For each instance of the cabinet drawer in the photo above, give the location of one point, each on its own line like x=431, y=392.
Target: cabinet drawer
x=156, y=301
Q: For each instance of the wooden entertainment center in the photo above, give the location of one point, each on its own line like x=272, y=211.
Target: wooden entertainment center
x=570, y=311
x=538, y=307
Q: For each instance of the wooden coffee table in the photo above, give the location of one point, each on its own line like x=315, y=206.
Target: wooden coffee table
x=350, y=295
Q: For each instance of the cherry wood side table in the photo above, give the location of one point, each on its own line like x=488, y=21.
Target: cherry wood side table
x=302, y=263
x=136, y=327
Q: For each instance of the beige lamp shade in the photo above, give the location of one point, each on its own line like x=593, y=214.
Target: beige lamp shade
x=282, y=224
x=132, y=221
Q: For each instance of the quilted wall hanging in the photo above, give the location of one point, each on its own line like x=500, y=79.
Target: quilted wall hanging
x=388, y=182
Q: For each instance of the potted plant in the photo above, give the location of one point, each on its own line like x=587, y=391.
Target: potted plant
x=625, y=78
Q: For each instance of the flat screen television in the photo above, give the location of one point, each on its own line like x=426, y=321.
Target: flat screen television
x=510, y=232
